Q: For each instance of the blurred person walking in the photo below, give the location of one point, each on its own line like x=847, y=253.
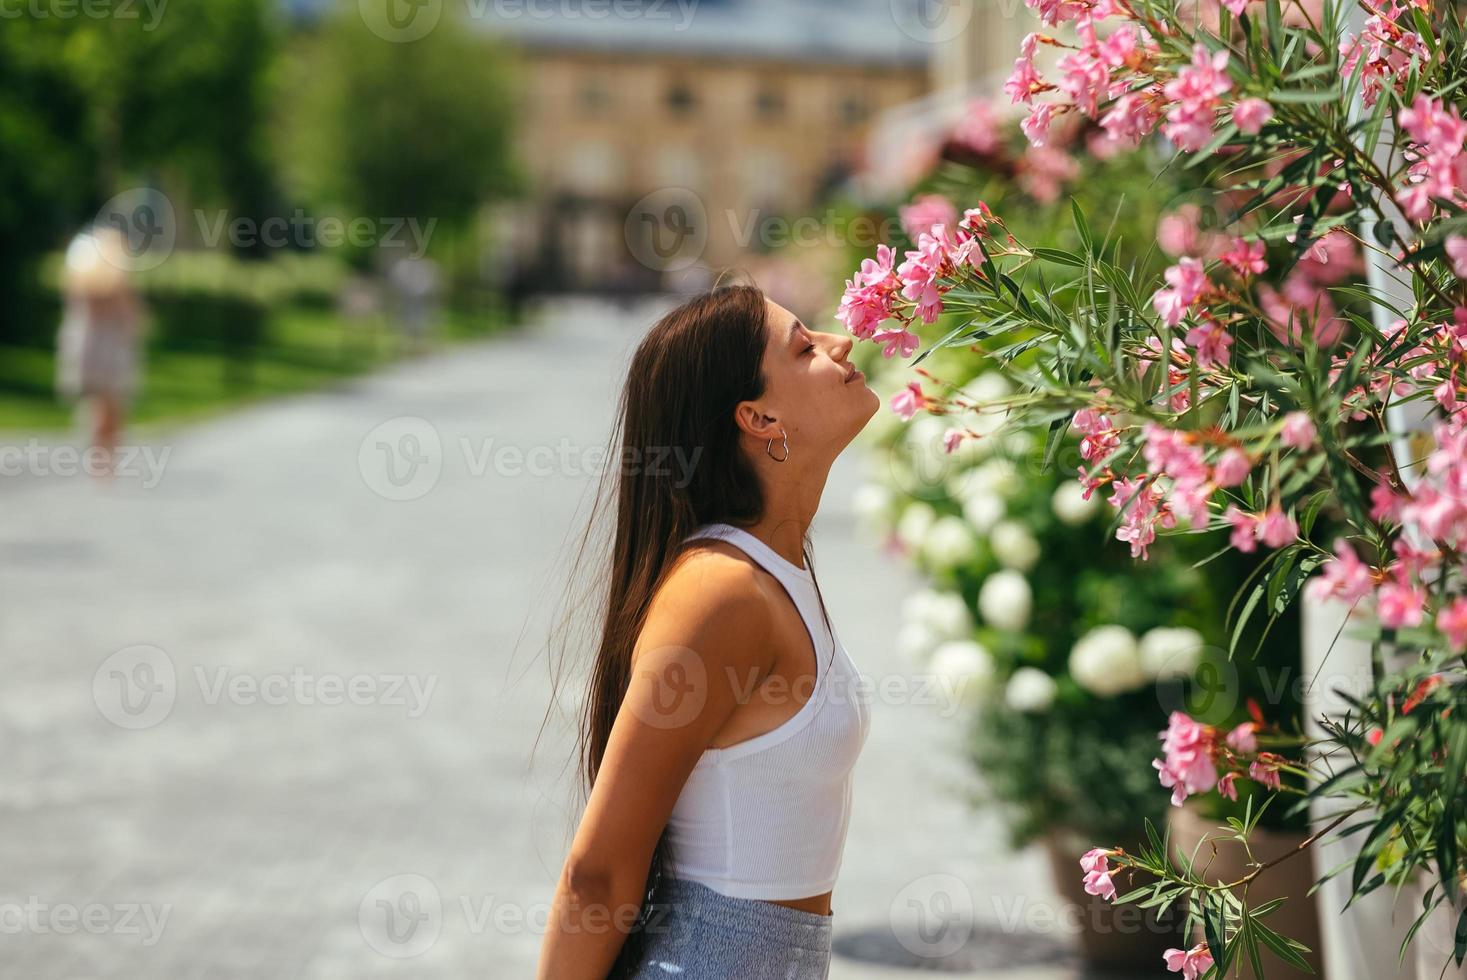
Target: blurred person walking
x=97, y=358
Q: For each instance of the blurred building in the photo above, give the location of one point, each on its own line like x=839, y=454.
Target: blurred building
x=731, y=114
x=974, y=45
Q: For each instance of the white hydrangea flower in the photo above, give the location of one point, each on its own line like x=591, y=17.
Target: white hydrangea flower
x=1030, y=689
x=1070, y=505
x=912, y=526
x=1018, y=443
x=1171, y=651
x=982, y=511
x=971, y=449
x=949, y=542
x=998, y=476
x=966, y=668
x=915, y=640
x=1107, y=661
x=987, y=387
x=1005, y=600
x=945, y=614
x=873, y=505
x=1014, y=546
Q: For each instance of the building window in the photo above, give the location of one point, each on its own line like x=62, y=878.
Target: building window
x=853, y=110
x=593, y=97
x=768, y=104
x=680, y=98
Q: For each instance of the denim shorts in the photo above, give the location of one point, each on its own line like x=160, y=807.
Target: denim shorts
x=704, y=935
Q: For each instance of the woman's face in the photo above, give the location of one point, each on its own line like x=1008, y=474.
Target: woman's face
x=812, y=389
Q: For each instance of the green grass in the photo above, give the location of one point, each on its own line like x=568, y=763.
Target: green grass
x=307, y=350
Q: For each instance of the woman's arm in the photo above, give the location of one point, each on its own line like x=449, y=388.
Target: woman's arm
x=704, y=633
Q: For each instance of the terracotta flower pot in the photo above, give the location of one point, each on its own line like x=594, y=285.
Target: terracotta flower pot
x=1116, y=937
x=1290, y=880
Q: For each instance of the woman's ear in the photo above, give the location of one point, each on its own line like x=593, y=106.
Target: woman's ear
x=749, y=417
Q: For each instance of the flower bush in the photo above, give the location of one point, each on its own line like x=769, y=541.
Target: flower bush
x=1066, y=703
x=1208, y=401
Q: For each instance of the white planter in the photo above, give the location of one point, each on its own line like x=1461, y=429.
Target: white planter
x=1363, y=942
x=1431, y=947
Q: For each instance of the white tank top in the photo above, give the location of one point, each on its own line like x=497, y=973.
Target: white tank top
x=766, y=818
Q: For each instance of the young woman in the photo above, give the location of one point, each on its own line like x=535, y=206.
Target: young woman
x=724, y=716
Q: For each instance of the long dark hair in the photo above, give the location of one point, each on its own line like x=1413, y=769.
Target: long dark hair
x=676, y=464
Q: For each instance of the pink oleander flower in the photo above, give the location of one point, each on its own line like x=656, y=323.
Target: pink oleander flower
x=1130, y=118
x=1179, y=232
x=1345, y=576
x=1232, y=467
x=921, y=270
x=1186, y=282
x=1168, y=451
x=926, y=211
x=1244, y=738
x=1099, y=875
x=906, y=402
x=1084, y=74
x=899, y=342
x=1277, y=529
x=1265, y=770
x=1142, y=515
x=1399, y=605
x=1024, y=81
x=1188, y=749
x=1249, y=115
x=1211, y=341
x=1245, y=257
x=1190, y=963
x=1194, y=92
x=1100, y=438
x=1298, y=431
x=1036, y=124
x=1244, y=536
x=1387, y=48
x=1437, y=135
x=1452, y=621
x=1053, y=12
x=1456, y=247
x=869, y=294
x=979, y=129
x=1385, y=503
x=1044, y=170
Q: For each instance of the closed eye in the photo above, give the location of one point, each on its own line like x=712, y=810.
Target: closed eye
x=808, y=349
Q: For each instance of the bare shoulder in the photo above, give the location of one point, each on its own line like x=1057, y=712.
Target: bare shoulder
x=712, y=599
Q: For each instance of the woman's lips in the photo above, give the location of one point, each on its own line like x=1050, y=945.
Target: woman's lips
x=853, y=376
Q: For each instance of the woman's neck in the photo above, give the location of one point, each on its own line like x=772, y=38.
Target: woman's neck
x=790, y=504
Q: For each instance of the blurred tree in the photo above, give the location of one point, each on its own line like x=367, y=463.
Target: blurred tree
x=388, y=130
x=98, y=105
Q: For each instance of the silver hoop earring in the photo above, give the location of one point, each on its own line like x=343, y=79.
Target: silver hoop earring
x=770, y=445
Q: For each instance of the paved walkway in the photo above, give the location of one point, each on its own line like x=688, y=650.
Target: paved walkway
x=269, y=711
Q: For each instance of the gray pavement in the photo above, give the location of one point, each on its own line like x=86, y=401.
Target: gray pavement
x=270, y=710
